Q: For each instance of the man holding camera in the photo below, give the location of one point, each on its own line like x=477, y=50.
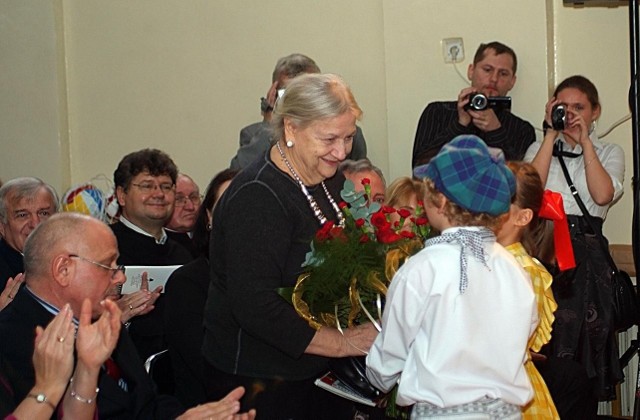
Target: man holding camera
x=481, y=109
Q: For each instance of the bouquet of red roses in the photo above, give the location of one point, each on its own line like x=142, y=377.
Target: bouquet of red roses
x=350, y=267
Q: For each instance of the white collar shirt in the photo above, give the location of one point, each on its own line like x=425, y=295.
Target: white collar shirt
x=448, y=348
x=610, y=155
x=127, y=223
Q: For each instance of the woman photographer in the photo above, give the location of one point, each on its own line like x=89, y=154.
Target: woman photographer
x=583, y=329
x=262, y=229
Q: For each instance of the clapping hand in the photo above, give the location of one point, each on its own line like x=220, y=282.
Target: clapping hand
x=97, y=340
x=10, y=290
x=225, y=409
x=53, y=355
x=140, y=302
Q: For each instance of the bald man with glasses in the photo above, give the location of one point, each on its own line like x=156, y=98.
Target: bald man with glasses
x=71, y=258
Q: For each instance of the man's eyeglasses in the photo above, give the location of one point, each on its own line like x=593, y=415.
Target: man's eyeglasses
x=114, y=270
x=181, y=200
x=147, y=187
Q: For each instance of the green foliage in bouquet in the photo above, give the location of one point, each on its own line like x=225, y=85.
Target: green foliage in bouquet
x=349, y=267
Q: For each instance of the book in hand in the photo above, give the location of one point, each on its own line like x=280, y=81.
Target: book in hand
x=334, y=385
x=157, y=276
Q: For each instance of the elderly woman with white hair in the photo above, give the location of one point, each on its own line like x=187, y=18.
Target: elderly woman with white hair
x=262, y=228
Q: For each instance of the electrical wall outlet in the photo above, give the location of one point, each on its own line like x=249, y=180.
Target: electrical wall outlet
x=453, y=50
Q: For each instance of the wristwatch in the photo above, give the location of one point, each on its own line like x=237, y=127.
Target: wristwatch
x=41, y=398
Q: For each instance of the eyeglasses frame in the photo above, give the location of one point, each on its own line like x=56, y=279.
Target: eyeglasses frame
x=155, y=186
x=114, y=270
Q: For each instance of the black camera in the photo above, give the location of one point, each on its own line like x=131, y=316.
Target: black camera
x=558, y=117
x=480, y=102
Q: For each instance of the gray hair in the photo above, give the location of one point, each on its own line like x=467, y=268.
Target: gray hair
x=24, y=187
x=294, y=65
x=313, y=97
x=350, y=166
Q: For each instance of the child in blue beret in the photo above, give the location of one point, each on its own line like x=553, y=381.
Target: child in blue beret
x=459, y=313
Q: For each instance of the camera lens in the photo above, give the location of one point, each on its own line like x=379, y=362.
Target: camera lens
x=478, y=102
x=558, y=117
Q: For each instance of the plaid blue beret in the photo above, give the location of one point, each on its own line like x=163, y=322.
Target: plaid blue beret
x=471, y=175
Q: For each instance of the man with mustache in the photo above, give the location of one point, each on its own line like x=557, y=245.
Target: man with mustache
x=493, y=73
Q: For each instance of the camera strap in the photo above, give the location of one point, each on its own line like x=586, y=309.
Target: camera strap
x=558, y=152
x=583, y=208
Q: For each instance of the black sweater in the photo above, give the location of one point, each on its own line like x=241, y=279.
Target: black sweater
x=262, y=230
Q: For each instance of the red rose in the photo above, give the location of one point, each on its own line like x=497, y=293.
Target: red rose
x=359, y=223
x=388, y=210
x=365, y=181
x=387, y=236
x=338, y=233
x=421, y=221
x=407, y=234
x=379, y=220
x=323, y=233
x=342, y=204
x=364, y=238
x=404, y=213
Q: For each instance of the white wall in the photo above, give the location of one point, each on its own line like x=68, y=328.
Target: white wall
x=185, y=76
x=86, y=81
x=33, y=111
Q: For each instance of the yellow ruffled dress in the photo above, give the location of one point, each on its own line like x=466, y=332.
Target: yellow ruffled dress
x=542, y=406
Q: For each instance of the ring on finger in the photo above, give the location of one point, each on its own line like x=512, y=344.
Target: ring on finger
x=60, y=339
x=10, y=297
x=131, y=307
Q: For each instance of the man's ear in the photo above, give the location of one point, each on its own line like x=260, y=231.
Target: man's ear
x=470, y=71
x=524, y=217
x=62, y=269
x=120, y=195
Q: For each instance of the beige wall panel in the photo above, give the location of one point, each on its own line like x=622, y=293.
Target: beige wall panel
x=185, y=76
x=32, y=105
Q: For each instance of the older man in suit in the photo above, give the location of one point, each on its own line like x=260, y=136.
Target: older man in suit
x=24, y=203
x=69, y=258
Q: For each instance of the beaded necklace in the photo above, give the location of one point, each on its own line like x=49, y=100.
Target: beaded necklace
x=312, y=202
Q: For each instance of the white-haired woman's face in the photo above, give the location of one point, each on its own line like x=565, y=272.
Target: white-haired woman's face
x=319, y=148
